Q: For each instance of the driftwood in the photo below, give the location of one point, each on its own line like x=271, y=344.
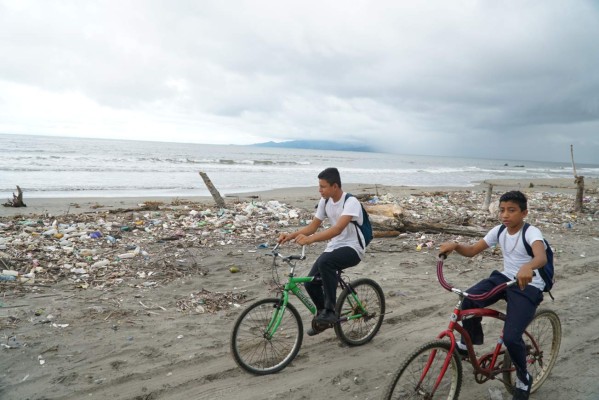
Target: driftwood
x=388, y=227
x=390, y=220
x=438, y=227
x=17, y=200
x=215, y=194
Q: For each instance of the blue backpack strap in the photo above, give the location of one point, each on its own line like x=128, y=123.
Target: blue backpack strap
x=347, y=196
x=527, y=246
x=541, y=271
x=501, y=229
x=524, y=242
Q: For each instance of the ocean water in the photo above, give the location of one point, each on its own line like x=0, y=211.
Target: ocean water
x=46, y=166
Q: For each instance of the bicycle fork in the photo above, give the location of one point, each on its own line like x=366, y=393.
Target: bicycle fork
x=431, y=358
x=281, y=306
x=277, y=316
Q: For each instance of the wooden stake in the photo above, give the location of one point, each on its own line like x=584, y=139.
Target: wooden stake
x=487, y=202
x=215, y=194
x=572, y=156
x=579, y=180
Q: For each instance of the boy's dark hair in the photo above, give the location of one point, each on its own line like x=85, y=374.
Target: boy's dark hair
x=517, y=197
x=331, y=175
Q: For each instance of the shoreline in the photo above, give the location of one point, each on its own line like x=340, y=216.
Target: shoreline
x=297, y=196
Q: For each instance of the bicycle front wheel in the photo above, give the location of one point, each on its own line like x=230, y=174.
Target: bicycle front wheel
x=253, y=348
x=362, y=329
x=542, y=338
x=417, y=376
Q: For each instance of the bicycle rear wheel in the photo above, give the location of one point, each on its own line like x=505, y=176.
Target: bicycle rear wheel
x=542, y=338
x=409, y=382
x=253, y=350
x=361, y=330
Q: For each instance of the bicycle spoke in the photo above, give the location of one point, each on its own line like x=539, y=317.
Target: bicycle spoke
x=542, y=340
x=257, y=351
x=409, y=382
x=368, y=312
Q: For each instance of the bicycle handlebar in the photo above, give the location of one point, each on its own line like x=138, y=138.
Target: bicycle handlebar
x=476, y=297
x=302, y=256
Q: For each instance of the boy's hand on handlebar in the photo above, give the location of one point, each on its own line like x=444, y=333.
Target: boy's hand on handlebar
x=284, y=237
x=524, y=276
x=303, y=239
x=447, y=247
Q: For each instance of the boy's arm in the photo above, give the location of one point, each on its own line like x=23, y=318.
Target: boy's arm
x=306, y=230
x=327, y=234
x=525, y=274
x=467, y=250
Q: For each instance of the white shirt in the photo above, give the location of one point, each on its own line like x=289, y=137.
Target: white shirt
x=348, y=237
x=514, y=252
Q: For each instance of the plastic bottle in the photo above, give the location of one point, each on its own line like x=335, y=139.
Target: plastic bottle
x=101, y=263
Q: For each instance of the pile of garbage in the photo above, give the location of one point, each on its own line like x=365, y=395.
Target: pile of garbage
x=146, y=247
x=547, y=210
x=136, y=248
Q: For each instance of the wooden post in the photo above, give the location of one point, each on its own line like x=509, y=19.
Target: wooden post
x=579, y=180
x=215, y=194
x=487, y=202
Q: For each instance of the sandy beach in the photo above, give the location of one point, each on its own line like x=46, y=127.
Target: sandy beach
x=157, y=325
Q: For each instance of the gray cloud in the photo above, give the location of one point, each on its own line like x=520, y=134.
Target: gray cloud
x=485, y=79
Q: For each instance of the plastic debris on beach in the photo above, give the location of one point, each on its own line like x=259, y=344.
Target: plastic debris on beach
x=146, y=248
x=211, y=302
x=104, y=249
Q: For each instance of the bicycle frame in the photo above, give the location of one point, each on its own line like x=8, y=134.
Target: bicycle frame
x=292, y=286
x=459, y=315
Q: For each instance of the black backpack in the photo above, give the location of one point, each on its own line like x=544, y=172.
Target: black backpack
x=365, y=228
x=546, y=272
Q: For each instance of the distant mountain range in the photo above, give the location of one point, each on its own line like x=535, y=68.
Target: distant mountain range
x=317, y=145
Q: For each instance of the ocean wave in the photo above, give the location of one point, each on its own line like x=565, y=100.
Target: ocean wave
x=97, y=188
x=83, y=167
x=53, y=159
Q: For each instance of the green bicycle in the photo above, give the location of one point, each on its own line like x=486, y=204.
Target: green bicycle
x=268, y=334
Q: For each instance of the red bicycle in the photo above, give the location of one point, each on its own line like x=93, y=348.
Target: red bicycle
x=434, y=371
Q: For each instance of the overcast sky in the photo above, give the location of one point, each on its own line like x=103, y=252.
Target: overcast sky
x=490, y=79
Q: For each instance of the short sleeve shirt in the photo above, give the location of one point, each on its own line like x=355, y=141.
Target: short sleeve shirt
x=333, y=211
x=514, y=252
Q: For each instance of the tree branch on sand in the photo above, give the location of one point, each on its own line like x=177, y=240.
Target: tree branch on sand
x=17, y=200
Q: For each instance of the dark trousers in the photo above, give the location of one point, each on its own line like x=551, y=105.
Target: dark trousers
x=521, y=308
x=323, y=293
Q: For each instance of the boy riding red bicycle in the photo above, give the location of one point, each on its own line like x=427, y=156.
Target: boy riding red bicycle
x=523, y=299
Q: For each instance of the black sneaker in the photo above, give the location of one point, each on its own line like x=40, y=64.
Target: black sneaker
x=312, y=332
x=521, y=394
x=328, y=317
x=317, y=328
x=461, y=352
